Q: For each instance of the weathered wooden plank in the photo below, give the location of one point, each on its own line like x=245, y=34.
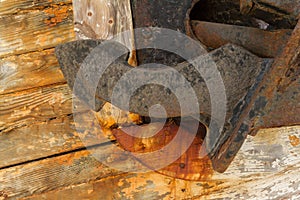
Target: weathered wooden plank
x=38, y=123
x=150, y=186
x=269, y=152
x=53, y=173
x=104, y=19
x=36, y=30
x=40, y=140
x=12, y=7
x=34, y=106
x=29, y=71
x=153, y=186
x=55, y=136
x=275, y=176
x=43, y=104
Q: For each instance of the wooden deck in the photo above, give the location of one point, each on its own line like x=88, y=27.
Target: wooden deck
x=42, y=156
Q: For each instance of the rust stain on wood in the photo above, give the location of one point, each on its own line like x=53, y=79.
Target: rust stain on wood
x=70, y=159
x=259, y=171
x=295, y=141
x=8, y=7
x=188, y=166
x=57, y=14
x=28, y=32
x=111, y=117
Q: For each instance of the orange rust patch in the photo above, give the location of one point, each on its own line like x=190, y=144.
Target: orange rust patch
x=189, y=166
x=57, y=14
x=132, y=59
x=295, y=141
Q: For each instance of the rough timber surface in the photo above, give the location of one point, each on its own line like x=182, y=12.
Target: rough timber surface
x=267, y=167
x=52, y=173
x=8, y=7
x=42, y=157
x=30, y=70
x=103, y=20
x=33, y=106
x=36, y=30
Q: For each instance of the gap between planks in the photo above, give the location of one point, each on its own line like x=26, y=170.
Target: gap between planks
x=268, y=158
x=270, y=182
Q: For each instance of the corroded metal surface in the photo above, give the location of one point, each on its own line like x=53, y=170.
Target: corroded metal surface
x=283, y=13
x=170, y=14
x=231, y=61
x=276, y=13
x=70, y=60
x=261, y=42
x=278, y=103
x=189, y=166
x=274, y=103
x=254, y=95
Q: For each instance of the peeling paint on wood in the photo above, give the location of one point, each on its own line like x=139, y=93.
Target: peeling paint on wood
x=266, y=167
x=23, y=33
x=8, y=7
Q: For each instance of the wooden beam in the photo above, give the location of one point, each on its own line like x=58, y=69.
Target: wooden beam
x=8, y=7
x=36, y=30
x=53, y=173
x=29, y=70
x=266, y=167
x=41, y=136
x=104, y=19
x=42, y=140
x=33, y=106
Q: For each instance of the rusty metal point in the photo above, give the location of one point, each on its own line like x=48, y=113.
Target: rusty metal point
x=257, y=89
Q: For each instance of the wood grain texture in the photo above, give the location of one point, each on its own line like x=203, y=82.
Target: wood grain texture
x=267, y=167
x=51, y=174
x=105, y=19
x=153, y=186
x=41, y=140
x=12, y=7
x=36, y=30
x=29, y=70
x=43, y=104
x=39, y=123
x=36, y=123
x=34, y=106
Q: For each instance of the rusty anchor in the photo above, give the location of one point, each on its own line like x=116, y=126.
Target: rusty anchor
x=258, y=89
